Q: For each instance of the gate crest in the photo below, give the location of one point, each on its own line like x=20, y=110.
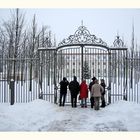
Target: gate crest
x=82, y=36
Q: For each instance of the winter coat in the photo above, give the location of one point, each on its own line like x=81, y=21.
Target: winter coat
x=96, y=90
x=63, y=86
x=83, y=90
x=90, y=85
x=103, y=85
x=74, y=87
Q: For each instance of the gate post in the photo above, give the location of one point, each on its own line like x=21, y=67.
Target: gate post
x=55, y=84
x=12, y=88
x=82, y=55
x=109, y=76
x=126, y=73
x=55, y=94
x=40, y=83
x=40, y=92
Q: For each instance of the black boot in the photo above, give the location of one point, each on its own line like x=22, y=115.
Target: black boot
x=103, y=104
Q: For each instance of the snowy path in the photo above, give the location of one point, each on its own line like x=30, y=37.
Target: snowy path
x=40, y=115
x=70, y=125
x=76, y=120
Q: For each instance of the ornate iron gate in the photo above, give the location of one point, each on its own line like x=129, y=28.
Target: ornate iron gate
x=83, y=55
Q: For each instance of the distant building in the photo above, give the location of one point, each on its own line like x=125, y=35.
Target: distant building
x=1, y=63
x=97, y=63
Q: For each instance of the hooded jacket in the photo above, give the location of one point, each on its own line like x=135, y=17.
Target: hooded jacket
x=83, y=90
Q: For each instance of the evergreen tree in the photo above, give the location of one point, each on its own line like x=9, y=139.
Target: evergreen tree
x=86, y=72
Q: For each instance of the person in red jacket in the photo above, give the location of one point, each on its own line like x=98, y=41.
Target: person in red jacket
x=83, y=93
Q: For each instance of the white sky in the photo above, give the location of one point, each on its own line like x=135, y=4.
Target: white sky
x=104, y=23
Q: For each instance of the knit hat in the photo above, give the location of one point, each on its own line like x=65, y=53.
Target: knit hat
x=94, y=78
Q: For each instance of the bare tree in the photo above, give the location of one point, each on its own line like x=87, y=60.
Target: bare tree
x=32, y=43
x=13, y=39
x=2, y=50
x=13, y=30
x=23, y=57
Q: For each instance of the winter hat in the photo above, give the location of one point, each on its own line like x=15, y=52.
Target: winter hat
x=94, y=78
x=64, y=78
x=74, y=77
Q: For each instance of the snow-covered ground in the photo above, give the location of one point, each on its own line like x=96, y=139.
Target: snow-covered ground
x=41, y=115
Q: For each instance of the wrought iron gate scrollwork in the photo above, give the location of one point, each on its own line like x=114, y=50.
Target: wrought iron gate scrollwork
x=118, y=43
x=82, y=36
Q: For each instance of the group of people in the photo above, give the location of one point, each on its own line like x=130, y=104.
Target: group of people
x=97, y=92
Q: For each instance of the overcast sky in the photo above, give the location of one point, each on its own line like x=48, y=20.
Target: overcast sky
x=104, y=23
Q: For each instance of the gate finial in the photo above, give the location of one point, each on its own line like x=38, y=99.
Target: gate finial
x=117, y=34
x=82, y=22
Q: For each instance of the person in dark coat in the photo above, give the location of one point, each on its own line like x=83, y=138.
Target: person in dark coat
x=103, y=93
x=63, y=91
x=83, y=93
x=91, y=97
x=74, y=90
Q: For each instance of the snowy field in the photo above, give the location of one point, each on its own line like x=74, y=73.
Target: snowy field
x=41, y=115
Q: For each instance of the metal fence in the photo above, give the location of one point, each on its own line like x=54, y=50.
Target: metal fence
x=47, y=74
x=83, y=55
x=23, y=81
x=120, y=71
